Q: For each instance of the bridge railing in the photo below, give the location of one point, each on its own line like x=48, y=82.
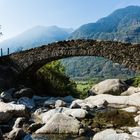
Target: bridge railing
x=2, y=53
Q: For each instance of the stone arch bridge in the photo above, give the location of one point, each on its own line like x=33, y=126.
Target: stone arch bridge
x=30, y=60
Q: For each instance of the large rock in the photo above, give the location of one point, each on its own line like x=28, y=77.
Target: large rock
x=109, y=86
x=8, y=110
x=110, y=134
x=131, y=90
x=25, y=92
x=134, y=129
x=60, y=124
x=45, y=117
x=76, y=113
x=103, y=134
x=86, y=105
x=115, y=101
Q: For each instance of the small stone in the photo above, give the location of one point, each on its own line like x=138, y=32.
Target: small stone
x=131, y=109
x=75, y=105
x=60, y=103
x=81, y=131
x=133, y=129
x=137, y=118
x=19, y=122
x=138, y=112
x=77, y=113
x=136, y=134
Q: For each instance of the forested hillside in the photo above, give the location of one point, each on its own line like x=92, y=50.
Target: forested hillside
x=122, y=25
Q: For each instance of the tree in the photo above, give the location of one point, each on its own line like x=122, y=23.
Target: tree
x=52, y=77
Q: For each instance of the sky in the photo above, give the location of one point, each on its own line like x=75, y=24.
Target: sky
x=17, y=16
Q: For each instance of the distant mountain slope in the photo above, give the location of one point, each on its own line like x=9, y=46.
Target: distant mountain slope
x=122, y=25
x=35, y=37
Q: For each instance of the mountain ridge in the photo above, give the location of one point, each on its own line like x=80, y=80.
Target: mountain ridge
x=36, y=36
x=118, y=26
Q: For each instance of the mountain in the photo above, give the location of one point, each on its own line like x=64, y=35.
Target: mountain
x=35, y=37
x=122, y=25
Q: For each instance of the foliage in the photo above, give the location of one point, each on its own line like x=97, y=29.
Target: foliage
x=53, y=78
x=85, y=68
x=84, y=86
x=134, y=81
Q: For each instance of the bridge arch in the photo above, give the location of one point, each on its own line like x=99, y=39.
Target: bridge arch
x=29, y=61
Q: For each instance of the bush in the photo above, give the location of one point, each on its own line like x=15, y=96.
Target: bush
x=133, y=81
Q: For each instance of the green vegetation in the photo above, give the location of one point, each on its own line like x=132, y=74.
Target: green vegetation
x=134, y=81
x=55, y=81
x=111, y=118
x=85, y=68
x=84, y=86
x=52, y=76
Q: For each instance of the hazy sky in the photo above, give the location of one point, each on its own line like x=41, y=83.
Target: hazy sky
x=17, y=16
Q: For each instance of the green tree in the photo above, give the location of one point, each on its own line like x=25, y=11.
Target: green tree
x=53, y=77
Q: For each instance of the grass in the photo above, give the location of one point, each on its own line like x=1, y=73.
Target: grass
x=83, y=87
x=134, y=81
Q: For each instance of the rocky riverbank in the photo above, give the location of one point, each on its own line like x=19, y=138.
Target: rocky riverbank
x=112, y=111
